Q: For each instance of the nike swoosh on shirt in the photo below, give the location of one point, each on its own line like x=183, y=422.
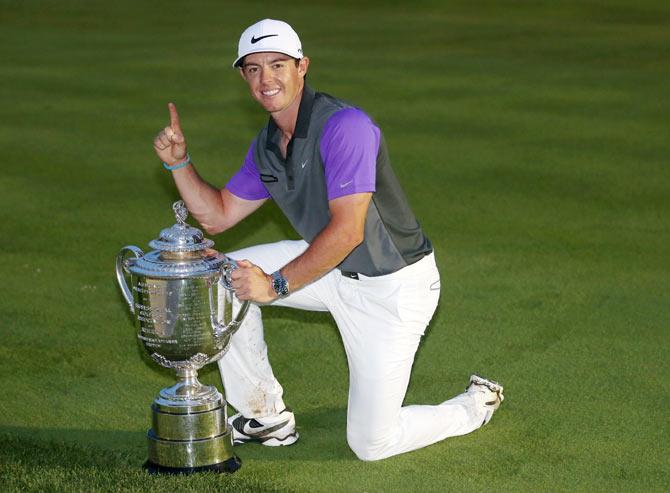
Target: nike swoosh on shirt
x=255, y=39
x=342, y=185
x=304, y=163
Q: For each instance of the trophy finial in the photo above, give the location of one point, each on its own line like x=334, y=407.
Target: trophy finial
x=180, y=212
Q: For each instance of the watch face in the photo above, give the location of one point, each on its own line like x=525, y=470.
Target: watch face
x=280, y=286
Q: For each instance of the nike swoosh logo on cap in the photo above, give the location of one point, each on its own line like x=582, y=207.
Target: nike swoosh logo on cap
x=255, y=39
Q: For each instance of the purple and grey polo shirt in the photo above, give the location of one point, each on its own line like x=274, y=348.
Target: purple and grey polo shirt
x=336, y=150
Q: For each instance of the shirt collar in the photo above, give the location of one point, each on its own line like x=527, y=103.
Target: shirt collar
x=301, y=124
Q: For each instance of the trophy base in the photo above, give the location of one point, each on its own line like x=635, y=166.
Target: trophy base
x=190, y=434
x=228, y=466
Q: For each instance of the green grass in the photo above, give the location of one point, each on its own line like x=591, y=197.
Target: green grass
x=532, y=139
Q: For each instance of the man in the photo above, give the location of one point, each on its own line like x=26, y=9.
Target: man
x=364, y=257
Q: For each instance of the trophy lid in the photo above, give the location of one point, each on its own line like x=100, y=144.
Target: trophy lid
x=180, y=252
x=181, y=237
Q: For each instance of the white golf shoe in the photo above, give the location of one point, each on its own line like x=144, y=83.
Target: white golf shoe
x=272, y=431
x=488, y=393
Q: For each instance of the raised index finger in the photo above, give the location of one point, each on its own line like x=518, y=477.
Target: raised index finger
x=174, y=117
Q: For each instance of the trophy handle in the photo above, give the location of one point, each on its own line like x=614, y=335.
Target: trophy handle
x=226, y=270
x=121, y=268
x=221, y=330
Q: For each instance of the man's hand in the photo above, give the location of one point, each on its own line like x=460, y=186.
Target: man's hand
x=169, y=144
x=251, y=283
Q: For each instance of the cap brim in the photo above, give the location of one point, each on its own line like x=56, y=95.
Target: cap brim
x=238, y=62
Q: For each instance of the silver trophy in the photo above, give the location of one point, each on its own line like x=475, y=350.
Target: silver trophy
x=184, y=324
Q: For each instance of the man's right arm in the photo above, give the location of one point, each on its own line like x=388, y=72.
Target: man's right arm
x=215, y=209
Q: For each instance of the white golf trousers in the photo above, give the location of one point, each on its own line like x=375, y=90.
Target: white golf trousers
x=381, y=321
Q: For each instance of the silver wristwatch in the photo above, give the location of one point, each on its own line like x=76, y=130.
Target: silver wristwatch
x=279, y=284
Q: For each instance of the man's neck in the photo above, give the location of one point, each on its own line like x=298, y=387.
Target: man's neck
x=287, y=118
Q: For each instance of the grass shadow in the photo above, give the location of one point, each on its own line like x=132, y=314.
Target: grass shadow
x=73, y=460
x=115, y=446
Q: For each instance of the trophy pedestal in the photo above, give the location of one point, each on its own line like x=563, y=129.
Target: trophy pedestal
x=190, y=430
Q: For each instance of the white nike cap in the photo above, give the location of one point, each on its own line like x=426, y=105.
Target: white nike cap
x=269, y=35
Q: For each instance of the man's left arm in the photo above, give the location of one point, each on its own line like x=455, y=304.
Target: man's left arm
x=342, y=234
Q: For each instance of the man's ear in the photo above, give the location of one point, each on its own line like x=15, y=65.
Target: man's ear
x=242, y=73
x=303, y=65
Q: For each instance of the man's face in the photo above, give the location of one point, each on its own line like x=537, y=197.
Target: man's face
x=274, y=79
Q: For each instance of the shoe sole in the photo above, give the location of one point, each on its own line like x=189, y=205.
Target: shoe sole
x=492, y=385
x=270, y=441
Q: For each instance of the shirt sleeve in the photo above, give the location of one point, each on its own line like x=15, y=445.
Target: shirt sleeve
x=349, y=147
x=246, y=183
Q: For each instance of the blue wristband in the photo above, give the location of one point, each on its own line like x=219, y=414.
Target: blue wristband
x=185, y=162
